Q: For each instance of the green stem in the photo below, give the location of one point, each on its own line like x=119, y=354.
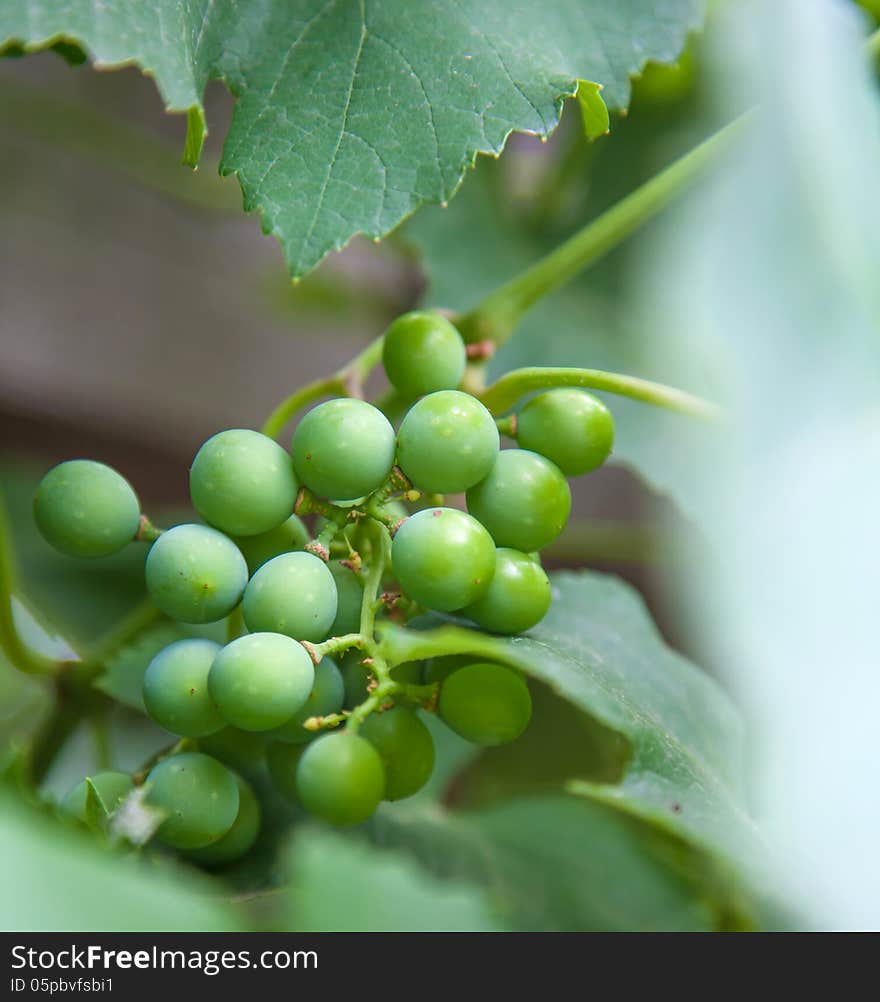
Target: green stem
x=147, y=532
x=347, y=381
x=399, y=644
x=141, y=616
x=276, y=421
x=336, y=645
x=507, y=426
x=498, y=315
x=373, y=580
x=507, y=390
x=872, y=44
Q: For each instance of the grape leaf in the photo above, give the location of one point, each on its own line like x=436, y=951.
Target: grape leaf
x=660, y=743
x=58, y=879
x=561, y=863
x=351, y=114
x=340, y=885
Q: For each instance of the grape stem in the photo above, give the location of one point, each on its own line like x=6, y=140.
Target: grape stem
x=147, y=532
x=499, y=314
x=385, y=685
x=509, y=388
x=335, y=645
x=347, y=382
x=399, y=644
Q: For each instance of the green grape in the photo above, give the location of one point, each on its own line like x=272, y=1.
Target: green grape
x=282, y=759
x=236, y=748
x=524, y=502
x=240, y=837
x=195, y=574
x=356, y=676
x=257, y=550
x=447, y=442
x=570, y=427
x=518, y=597
x=242, y=482
x=86, y=509
x=340, y=778
x=175, y=688
x=294, y=594
x=343, y=449
x=327, y=696
x=111, y=787
x=199, y=796
x=487, y=704
x=260, y=680
x=443, y=558
x=406, y=748
x=350, y=594
x=422, y=352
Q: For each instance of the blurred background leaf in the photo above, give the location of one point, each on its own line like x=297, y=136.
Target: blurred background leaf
x=774, y=273
x=58, y=878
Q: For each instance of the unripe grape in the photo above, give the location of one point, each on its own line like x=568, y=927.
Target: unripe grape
x=260, y=680
x=326, y=697
x=199, y=796
x=350, y=596
x=240, y=837
x=524, y=502
x=340, y=778
x=406, y=748
x=282, y=760
x=86, y=509
x=447, y=442
x=175, y=688
x=571, y=427
x=443, y=558
x=294, y=594
x=242, y=482
x=257, y=550
x=518, y=597
x=487, y=704
x=343, y=449
x=111, y=787
x=423, y=352
x=195, y=574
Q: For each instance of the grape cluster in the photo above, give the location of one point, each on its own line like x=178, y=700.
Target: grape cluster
x=338, y=733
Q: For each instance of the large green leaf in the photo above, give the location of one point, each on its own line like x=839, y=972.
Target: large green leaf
x=563, y=863
x=351, y=114
x=339, y=885
x=58, y=879
x=648, y=750
x=661, y=741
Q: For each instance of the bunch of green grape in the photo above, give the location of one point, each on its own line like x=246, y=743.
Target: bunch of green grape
x=463, y=523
